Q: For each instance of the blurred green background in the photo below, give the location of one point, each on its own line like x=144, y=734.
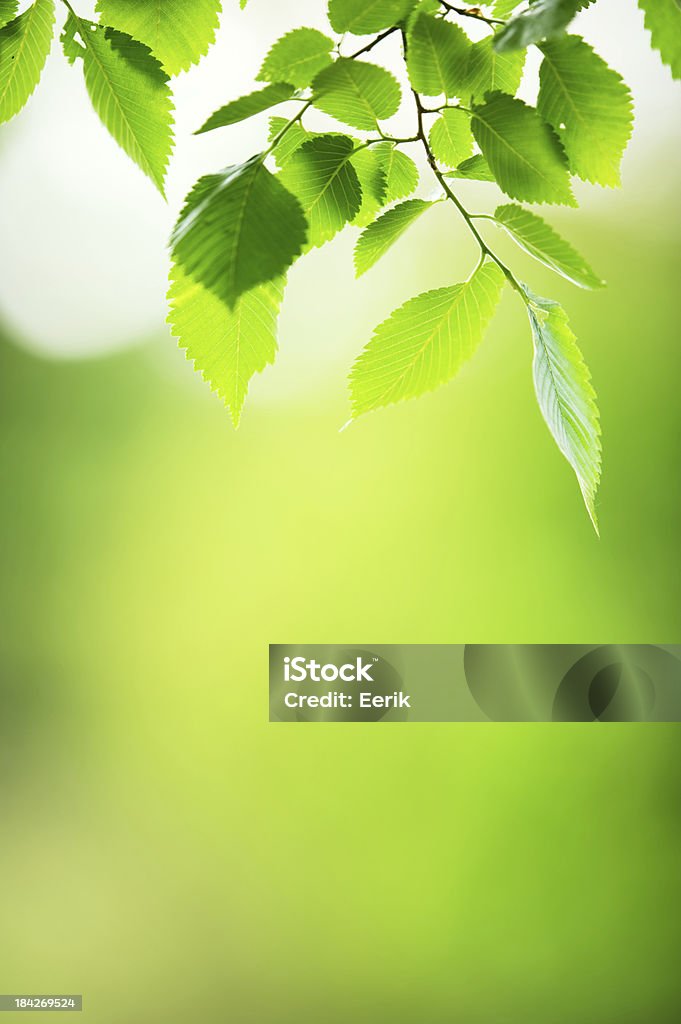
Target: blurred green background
x=170, y=854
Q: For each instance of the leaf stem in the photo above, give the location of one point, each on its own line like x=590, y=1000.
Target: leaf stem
x=374, y=42
x=473, y=12
x=280, y=134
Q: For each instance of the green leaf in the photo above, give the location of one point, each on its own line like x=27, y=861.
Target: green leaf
x=238, y=229
x=375, y=241
x=129, y=91
x=502, y=8
x=178, y=34
x=541, y=20
x=566, y=397
x=24, y=45
x=522, y=151
x=227, y=346
x=8, y=9
x=437, y=57
x=362, y=17
x=451, y=139
x=540, y=240
x=489, y=71
x=297, y=57
x=323, y=179
x=425, y=341
x=402, y=175
x=373, y=183
x=248, y=106
x=356, y=93
x=295, y=136
x=663, y=21
x=475, y=168
x=588, y=105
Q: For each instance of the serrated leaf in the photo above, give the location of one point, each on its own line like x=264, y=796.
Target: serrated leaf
x=589, y=107
x=451, y=138
x=375, y=241
x=323, y=179
x=475, y=168
x=542, y=20
x=297, y=57
x=129, y=91
x=566, y=397
x=425, y=342
x=522, y=151
x=24, y=45
x=540, y=240
x=663, y=21
x=489, y=71
x=248, y=106
x=373, y=183
x=238, y=229
x=356, y=93
x=8, y=9
x=178, y=34
x=437, y=57
x=402, y=174
x=294, y=137
x=362, y=17
x=227, y=346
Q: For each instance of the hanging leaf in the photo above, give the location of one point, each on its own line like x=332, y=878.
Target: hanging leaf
x=437, y=57
x=363, y=17
x=380, y=236
x=297, y=57
x=320, y=174
x=24, y=45
x=178, y=34
x=663, y=21
x=248, y=106
x=356, y=93
x=490, y=71
x=540, y=240
x=451, y=139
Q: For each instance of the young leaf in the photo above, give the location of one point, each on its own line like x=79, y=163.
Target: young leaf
x=373, y=183
x=425, y=341
x=178, y=34
x=8, y=9
x=566, y=397
x=323, y=179
x=24, y=45
x=522, y=151
x=356, y=93
x=663, y=21
x=375, y=241
x=540, y=240
x=437, y=58
x=475, y=168
x=402, y=175
x=129, y=91
x=451, y=139
x=589, y=107
x=295, y=136
x=227, y=346
x=542, y=20
x=502, y=8
x=362, y=17
x=238, y=229
x=297, y=57
x=489, y=71
x=248, y=106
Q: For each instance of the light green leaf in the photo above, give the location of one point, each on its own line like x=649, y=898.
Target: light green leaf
x=522, y=151
x=425, y=342
x=178, y=34
x=129, y=91
x=437, y=57
x=566, y=397
x=475, y=168
x=356, y=93
x=541, y=20
x=502, y=8
x=588, y=105
x=323, y=179
x=451, y=139
x=248, y=106
x=362, y=17
x=297, y=57
x=8, y=9
x=227, y=346
x=402, y=175
x=540, y=240
x=24, y=45
x=375, y=241
x=663, y=21
x=373, y=183
x=238, y=229
x=489, y=71
x=295, y=136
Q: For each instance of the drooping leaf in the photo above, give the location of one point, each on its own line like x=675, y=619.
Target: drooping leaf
x=362, y=17
x=375, y=241
x=238, y=229
x=294, y=137
x=540, y=240
x=297, y=57
x=475, y=168
x=320, y=174
x=24, y=45
x=566, y=397
x=178, y=34
x=356, y=93
x=129, y=91
x=227, y=346
x=451, y=139
x=589, y=107
x=425, y=342
x=663, y=21
x=489, y=71
x=522, y=151
x=373, y=183
x=8, y=9
x=248, y=106
x=402, y=174
x=542, y=20
x=437, y=57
